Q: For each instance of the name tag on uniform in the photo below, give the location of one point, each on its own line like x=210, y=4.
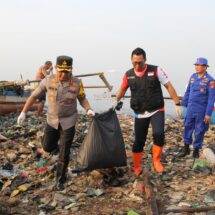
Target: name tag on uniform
x=151, y=73
x=203, y=83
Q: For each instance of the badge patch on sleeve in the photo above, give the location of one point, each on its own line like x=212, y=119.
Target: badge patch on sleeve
x=212, y=84
x=81, y=93
x=192, y=80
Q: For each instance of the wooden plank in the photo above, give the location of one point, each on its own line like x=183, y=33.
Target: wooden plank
x=150, y=196
x=190, y=210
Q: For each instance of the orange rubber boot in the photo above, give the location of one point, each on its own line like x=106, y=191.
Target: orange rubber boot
x=137, y=159
x=157, y=152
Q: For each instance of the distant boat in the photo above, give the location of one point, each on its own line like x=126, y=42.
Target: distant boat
x=14, y=94
x=12, y=99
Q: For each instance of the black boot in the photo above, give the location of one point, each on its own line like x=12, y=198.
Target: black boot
x=196, y=153
x=61, y=175
x=186, y=151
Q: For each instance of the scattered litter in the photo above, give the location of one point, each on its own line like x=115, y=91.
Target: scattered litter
x=27, y=173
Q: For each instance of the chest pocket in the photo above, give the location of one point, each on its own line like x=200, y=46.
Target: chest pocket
x=202, y=89
x=199, y=89
x=70, y=97
x=132, y=84
x=152, y=81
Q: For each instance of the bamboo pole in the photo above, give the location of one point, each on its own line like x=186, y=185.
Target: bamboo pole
x=89, y=74
x=165, y=97
x=95, y=86
x=105, y=81
x=27, y=82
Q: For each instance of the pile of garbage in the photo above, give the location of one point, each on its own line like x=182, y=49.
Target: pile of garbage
x=27, y=173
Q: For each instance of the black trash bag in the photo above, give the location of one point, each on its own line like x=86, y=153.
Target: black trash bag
x=103, y=146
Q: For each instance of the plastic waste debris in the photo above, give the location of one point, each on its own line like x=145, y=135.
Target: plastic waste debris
x=200, y=163
x=42, y=166
x=94, y=192
x=138, y=185
x=210, y=156
x=6, y=170
x=131, y=212
x=201, y=166
x=6, y=173
x=21, y=188
x=3, y=137
x=7, y=166
x=150, y=147
x=41, y=163
x=6, y=184
x=212, y=194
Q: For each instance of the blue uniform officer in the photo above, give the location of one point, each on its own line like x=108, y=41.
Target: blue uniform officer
x=199, y=99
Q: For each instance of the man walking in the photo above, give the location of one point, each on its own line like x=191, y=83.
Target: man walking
x=63, y=90
x=147, y=102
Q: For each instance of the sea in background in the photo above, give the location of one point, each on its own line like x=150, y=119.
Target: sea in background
x=101, y=102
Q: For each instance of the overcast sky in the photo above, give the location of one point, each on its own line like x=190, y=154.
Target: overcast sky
x=100, y=35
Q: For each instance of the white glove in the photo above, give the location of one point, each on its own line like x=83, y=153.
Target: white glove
x=90, y=112
x=21, y=118
x=178, y=110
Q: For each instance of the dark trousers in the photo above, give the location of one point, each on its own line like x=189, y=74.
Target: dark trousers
x=50, y=144
x=141, y=126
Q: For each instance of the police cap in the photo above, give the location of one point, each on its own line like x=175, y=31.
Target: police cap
x=64, y=63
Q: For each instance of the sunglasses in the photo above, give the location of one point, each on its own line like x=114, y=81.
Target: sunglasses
x=138, y=63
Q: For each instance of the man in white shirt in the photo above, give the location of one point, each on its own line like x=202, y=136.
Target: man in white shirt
x=147, y=101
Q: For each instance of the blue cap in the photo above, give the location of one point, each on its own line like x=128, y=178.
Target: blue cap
x=201, y=61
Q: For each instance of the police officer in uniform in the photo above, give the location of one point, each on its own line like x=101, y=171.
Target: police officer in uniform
x=199, y=99
x=147, y=101
x=63, y=90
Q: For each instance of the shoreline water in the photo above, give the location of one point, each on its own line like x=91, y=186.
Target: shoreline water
x=102, y=102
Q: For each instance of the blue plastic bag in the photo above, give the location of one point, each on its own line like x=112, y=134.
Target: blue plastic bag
x=213, y=118
x=184, y=112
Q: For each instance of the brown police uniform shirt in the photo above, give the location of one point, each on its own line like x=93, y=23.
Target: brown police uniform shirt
x=62, y=100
